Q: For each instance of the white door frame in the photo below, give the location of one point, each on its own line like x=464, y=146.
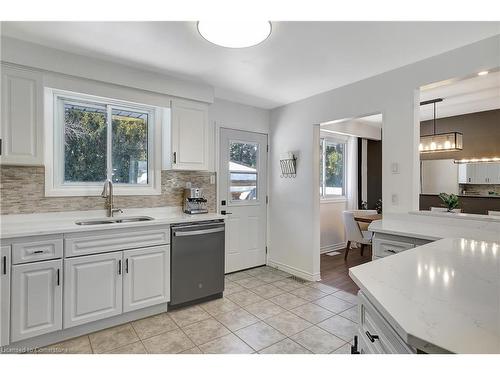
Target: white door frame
x=216, y=163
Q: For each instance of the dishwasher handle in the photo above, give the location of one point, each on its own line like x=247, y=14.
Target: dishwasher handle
x=198, y=232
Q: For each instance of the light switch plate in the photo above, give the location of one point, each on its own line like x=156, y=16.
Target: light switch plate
x=395, y=199
x=395, y=168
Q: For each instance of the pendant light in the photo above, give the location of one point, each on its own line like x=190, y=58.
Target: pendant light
x=439, y=142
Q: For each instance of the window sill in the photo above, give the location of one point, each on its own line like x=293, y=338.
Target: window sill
x=95, y=191
x=333, y=200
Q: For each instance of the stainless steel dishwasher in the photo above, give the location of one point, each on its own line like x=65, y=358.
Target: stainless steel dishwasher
x=197, y=262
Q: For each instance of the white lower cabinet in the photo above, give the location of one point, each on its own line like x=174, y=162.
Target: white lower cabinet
x=92, y=288
x=36, y=299
x=146, y=277
x=5, y=261
x=375, y=335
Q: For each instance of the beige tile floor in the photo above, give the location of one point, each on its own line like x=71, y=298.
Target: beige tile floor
x=263, y=311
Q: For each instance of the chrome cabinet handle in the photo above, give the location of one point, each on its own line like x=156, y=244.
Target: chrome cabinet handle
x=38, y=252
x=4, y=264
x=58, y=277
x=126, y=265
x=175, y=157
x=120, y=267
x=371, y=337
x=391, y=251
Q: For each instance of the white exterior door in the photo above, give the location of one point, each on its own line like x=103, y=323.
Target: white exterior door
x=146, y=282
x=92, y=288
x=4, y=294
x=36, y=299
x=243, y=196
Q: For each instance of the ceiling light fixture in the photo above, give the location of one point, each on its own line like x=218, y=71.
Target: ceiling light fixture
x=235, y=33
x=438, y=142
x=483, y=73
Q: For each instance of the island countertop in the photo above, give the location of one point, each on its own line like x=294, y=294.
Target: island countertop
x=435, y=226
x=440, y=297
x=12, y=226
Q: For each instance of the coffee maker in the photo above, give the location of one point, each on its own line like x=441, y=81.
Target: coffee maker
x=194, y=202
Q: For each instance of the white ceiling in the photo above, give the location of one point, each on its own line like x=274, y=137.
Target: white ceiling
x=474, y=94
x=298, y=60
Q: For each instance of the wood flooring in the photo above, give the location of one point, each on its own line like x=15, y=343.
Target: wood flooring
x=335, y=271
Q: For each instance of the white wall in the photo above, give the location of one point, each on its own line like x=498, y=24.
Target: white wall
x=20, y=52
x=332, y=234
x=294, y=207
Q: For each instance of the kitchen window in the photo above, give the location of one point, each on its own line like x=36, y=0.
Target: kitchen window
x=332, y=168
x=95, y=139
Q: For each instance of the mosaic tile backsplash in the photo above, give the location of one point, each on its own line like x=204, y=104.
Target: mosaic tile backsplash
x=22, y=191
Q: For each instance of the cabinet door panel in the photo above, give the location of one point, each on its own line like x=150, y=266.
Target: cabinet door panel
x=5, y=272
x=190, y=138
x=146, y=278
x=93, y=288
x=21, y=117
x=36, y=299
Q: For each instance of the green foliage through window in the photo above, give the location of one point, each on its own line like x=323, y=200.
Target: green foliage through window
x=332, y=169
x=86, y=144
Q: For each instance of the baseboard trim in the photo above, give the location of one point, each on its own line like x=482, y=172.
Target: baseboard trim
x=294, y=271
x=334, y=247
x=33, y=343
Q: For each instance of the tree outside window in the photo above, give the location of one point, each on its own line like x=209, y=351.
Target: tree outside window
x=333, y=168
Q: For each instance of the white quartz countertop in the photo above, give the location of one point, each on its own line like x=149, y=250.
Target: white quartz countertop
x=435, y=227
x=440, y=297
x=64, y=222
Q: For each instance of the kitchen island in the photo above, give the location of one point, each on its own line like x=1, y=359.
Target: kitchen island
x=442, y=297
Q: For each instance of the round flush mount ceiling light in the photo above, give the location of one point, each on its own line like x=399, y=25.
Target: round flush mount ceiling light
x=235, y=33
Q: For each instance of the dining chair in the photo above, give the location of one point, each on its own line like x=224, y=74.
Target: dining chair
x=353, y=232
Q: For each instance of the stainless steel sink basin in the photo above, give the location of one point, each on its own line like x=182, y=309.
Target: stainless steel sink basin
x=114, y=220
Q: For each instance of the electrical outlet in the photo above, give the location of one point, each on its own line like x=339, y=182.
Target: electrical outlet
x=394, y=199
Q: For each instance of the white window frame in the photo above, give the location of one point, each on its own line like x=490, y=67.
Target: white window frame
x=323, y=195
x=54, y=147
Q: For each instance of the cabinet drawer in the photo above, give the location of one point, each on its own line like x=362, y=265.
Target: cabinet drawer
x=371, y=321
x=37, y=248
x=383, y=248
x=76, y=244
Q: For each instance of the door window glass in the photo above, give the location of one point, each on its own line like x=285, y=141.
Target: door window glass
x=243, y=173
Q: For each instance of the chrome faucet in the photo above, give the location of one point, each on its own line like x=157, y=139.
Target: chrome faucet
x=107, y=193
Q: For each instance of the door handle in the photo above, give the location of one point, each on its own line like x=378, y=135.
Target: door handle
x=120, y=267
x=58, y=277
x=371, y=337
x=4, y=264
x=391, y=251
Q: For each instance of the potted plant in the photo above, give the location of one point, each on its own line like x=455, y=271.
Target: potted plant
x=450, y=201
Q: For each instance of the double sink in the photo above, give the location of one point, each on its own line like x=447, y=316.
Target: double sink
x=112, y=220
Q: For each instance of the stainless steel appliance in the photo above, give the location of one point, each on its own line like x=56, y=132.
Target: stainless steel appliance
x=194, y=202
x=197, y=262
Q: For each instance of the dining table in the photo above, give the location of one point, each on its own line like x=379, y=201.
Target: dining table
x=367, y=218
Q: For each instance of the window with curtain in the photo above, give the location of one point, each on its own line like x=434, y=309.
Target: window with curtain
x=333, y=155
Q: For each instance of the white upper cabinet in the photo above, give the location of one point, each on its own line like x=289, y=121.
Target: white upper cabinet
x=190, y=136
x=479, y=173
x=22, y=114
